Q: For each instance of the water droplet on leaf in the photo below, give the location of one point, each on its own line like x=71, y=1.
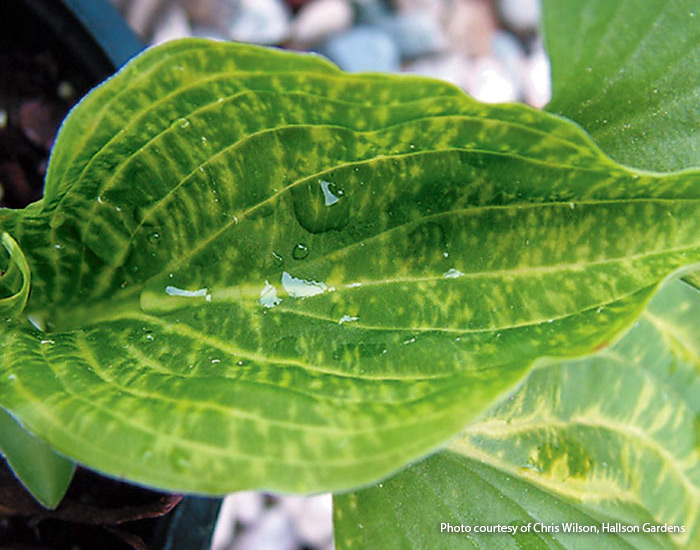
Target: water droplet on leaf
x=300, y=251
x=182, y=293
x=302, y=288
x=452, y=273
x=268, y=296
x=331, y=192
x=179, y=460
x=321, y=205
x=348, y=319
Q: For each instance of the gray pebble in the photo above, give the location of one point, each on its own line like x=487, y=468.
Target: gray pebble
x=320, y=19
x=509, y=52
x=370, y=12
x=363, y=49
x=416, y=33
x=172, y=25
x=258, y=21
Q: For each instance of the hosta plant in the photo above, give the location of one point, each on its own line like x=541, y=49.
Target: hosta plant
x=252, y=270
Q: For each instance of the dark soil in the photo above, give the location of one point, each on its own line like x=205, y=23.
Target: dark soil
x=96, y=513
x=33, y=102
x=46, y=65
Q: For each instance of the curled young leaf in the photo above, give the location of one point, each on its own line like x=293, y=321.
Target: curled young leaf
x=14, y=279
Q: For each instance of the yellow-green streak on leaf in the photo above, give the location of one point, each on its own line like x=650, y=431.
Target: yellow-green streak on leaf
x=258, y=271
x=608, y=439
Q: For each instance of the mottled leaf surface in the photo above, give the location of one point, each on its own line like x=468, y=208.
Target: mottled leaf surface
x=627, y=71
x=253, y=270
x=605, y=439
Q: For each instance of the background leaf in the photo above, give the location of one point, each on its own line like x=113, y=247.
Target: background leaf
x=627, y=71
x=256, y=271
x=45, y=474
x=610, y=438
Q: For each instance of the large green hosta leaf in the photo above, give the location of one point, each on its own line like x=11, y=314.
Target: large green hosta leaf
x=607, y=439
x=254, y=270
x=627, y=71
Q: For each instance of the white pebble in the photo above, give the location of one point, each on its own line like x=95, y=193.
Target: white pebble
x=260, y=21
x=520, y=15
x=537, y=79
x=320, y=19
x=417, y=33
x=274, y=531
x=451, y=67
x=470, y=26
x=225, y=525
x=435, y=7
x=312, y=517
x=510, y=54
x=173, y=25
x=248, y=506
x=363, y=49
x=488, y=81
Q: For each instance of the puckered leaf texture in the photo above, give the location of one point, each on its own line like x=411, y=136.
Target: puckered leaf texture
x=605, y=441
x=253, y=270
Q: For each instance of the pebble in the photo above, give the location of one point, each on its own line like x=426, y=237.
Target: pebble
x=312, y=517
x=248, y=506
x=488, y=81
x=520, y=15
x=274, y=531
x=510, y=53
x=320, y=19
x=202, y=12
x=370, y=12
x=174, y=24
x=258, y=21
x=225, y=529
x=209, y=31
x=437, y=8
x=450, y=67
x=363, y=49
x=141, y=15
x=537, y=81
x=416, y=33
x=470, y=26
